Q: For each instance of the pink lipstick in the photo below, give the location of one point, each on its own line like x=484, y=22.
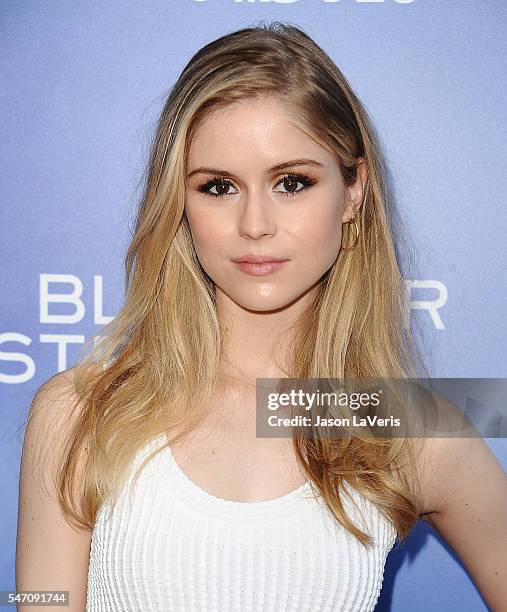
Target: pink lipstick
x=259, y=265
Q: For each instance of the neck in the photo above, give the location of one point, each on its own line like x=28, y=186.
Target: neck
x=256, y=343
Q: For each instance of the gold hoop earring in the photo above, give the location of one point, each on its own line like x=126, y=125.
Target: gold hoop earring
x=357, y=236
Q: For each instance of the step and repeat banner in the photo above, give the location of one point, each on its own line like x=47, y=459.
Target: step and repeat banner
x=82, y=84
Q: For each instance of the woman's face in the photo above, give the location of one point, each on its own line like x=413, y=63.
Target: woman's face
x=240, y=201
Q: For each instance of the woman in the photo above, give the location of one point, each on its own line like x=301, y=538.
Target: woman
x=161, y=496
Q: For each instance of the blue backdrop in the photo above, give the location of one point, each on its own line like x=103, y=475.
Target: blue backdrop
x=81, y=86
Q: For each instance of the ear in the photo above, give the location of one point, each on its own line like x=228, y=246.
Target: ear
x=355, y=193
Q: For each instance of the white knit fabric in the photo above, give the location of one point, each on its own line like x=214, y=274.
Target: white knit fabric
x=175, y=547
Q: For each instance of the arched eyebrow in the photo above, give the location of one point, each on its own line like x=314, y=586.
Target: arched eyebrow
x=289, y=164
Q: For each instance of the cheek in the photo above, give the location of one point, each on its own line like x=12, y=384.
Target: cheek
x=208, y=235
x=320, y=234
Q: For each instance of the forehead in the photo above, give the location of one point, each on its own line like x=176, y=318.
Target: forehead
x=262, y=130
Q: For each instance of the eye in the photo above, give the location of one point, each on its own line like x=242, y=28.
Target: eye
x=291, y=181
x=217, y=182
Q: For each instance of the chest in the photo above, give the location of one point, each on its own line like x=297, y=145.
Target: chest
x=172, y=547
x=224, y=457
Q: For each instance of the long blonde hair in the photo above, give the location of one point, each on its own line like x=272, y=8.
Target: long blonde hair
x=154, y=366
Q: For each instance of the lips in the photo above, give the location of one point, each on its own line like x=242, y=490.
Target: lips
x=259, y=265
x=258, y=259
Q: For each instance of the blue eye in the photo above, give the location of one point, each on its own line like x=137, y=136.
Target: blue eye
x=222, y=185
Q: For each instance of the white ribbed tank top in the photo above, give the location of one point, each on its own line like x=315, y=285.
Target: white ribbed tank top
x=175, y=547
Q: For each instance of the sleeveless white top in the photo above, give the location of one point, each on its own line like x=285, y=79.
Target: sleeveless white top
x=175, y=547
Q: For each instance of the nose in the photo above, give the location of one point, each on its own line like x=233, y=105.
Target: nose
x=257, y=217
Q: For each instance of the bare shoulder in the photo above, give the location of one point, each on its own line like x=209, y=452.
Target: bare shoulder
x=464, y=494
x=52, y=400
x=52, y=412
x=51, y=554
x=59, y=388
x=453, y=448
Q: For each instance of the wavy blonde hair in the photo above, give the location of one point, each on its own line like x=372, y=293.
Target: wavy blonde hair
x=156, y=364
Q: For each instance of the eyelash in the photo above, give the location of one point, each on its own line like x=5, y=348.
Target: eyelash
x=301, y=178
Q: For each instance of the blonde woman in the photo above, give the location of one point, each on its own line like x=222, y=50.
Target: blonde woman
x=262, y=249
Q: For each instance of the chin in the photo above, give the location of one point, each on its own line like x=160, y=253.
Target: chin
x=265, y=303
